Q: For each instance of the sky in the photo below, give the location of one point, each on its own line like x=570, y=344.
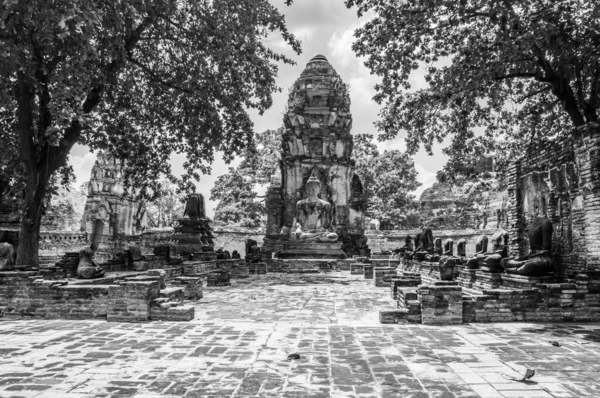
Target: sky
x=324, y=27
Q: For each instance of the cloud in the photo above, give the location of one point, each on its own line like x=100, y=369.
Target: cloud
x=426, y=178
x=82, y=165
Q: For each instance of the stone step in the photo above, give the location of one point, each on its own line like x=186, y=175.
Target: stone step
x=181, y=313
x=191, y=284
x=303, y=270
x=176, y=294
x=392, y=316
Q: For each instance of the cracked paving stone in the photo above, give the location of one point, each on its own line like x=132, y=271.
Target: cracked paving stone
x=237, y=347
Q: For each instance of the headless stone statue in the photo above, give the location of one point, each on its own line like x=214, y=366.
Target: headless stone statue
x=426, y=247
x=493, y=261
x=87, y=268
x=447, y=261
x=417, y=246
x=475, y=261
x=8, y=256
x=407, y=247
x=539, y=261
x=437, y=251
x=314, y=215
x=194, y=206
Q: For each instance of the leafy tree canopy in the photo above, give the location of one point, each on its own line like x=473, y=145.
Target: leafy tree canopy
x=167, y=208
x=388, y=179
x=140, y=79
x=516, y=70
x=236, y=192
x=236, y=196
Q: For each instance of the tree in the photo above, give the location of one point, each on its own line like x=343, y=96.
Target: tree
x=236, y=191
x=66, y=206
x=262, y=159
x=504, y=71
x=140, y=79
x=388, y=178
x=236, y=196
x=167, y=208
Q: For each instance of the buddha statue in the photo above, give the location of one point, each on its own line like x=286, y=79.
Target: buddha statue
x=539, y=261
x=407, y=247
x=426, y=244
x=437, y=251
x=409, y=255
x=461, y=251
x=493, y=260
x=8, y=256
x=447, y=261
x=480, y=249
x=314, y=215
x=87, y=267
x=235, y=255
x=194, y=206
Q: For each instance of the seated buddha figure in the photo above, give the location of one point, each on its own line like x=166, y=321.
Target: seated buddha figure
x=539, y=261
x=407, y=247
x=461, y=251
x=87, y=267
x=475, y=261
x=447, y=261
x=426, y=244
x=314, y=215
x=493, y=261
x=438, y=250
x=414, y=246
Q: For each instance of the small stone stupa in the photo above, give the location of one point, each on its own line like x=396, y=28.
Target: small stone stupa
x=193, y=233
x=315, y=209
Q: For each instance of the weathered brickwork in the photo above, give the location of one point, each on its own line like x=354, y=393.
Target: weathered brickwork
x=441, y=303
x=382, y=276
x=495, y=297
x=560, y=180
x=317, y=140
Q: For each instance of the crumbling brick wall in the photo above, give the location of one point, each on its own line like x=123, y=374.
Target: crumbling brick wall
x=560, y=179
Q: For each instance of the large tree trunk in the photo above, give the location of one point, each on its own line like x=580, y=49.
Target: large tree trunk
x=27, y=253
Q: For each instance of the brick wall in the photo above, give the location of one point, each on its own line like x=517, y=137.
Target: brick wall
x=560, y=179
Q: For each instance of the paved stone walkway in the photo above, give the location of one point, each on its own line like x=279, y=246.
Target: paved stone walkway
x=238, y=344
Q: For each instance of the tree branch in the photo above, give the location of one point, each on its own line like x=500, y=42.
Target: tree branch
x=534, y=93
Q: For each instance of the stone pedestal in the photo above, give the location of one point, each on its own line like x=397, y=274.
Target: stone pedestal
x=368, y=271
x=441, y=303
x=357, y=268
x=383, y=276
x=311, y=250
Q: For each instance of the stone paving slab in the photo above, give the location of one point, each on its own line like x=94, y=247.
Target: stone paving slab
x=238, y=344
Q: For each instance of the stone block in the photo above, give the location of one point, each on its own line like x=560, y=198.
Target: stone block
x=357, y=268
x=368, y=271
x=130, y=301
x=182, y=313
x=441, y=304
x=392, y=316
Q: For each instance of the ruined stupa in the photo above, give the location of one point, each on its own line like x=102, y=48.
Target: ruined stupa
x=111, y=209
x=317, y=145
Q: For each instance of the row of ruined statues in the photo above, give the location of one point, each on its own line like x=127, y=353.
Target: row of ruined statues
x=495, y=259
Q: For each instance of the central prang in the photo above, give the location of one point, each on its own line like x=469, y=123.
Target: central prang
x=314, y=216
x=316, y=206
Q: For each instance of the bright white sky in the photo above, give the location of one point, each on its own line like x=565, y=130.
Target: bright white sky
x=324, y=27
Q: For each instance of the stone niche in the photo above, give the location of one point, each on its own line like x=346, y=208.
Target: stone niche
x=318, y=139
x=111, y=209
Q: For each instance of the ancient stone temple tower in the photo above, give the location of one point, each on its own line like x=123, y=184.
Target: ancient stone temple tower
x=317, y=141
x=110, y=211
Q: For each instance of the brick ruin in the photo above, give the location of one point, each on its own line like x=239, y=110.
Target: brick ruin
x=111, y=210
x=557, y=181
x=149, y=275
x=317, y=140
